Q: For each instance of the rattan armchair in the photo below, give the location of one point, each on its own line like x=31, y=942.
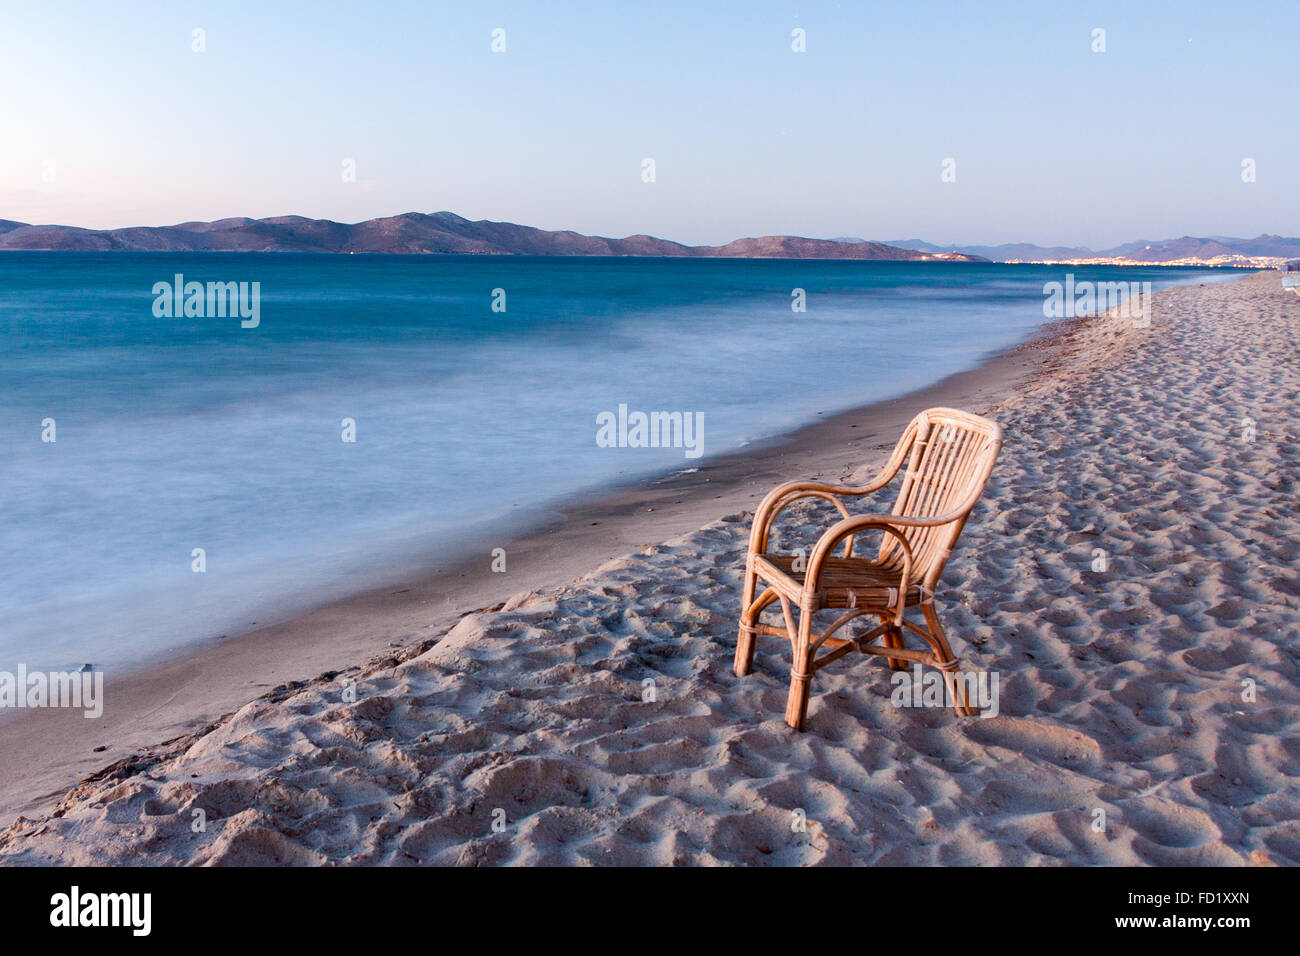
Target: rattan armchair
x=949, y=456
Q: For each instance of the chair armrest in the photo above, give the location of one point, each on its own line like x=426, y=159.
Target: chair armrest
x=783, y=495
x=847, y=529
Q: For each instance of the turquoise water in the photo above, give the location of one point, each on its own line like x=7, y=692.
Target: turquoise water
x=175, y=434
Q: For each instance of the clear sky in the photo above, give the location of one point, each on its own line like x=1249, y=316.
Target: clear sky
x=109, y=118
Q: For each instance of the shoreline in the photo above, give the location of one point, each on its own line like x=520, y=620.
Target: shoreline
x=164, y=699
x=599, y=721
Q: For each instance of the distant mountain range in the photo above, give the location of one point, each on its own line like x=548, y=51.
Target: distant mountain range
x=438, y=233
x=446, y=233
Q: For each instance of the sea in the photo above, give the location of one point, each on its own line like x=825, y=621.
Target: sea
x=172, y=475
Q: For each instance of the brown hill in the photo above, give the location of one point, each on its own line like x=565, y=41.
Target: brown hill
x=412, y=233
x=793, y=247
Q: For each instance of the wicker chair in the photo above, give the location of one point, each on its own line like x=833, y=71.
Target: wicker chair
x=949, y=457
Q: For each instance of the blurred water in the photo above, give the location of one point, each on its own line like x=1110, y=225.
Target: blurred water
x=183, y=433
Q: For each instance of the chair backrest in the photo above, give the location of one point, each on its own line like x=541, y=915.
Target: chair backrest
x=949, y=456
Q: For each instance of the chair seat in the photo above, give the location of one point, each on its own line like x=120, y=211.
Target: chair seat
x=845, y=582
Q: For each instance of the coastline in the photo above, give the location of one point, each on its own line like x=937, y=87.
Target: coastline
x=1128, y=581
x=166, y=699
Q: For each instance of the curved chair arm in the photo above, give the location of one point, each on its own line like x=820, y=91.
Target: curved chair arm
x=784, y=495
x=781, y=497
x=959, y=512
x=847, y=529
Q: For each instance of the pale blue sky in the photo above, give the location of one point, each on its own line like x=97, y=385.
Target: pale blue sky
x=1053, y=143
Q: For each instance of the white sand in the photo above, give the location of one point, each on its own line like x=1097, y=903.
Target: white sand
x=1120, y=691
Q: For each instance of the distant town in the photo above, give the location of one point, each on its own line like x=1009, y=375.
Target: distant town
x=1217, y=262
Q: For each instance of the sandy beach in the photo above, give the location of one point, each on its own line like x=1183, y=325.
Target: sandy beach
x=581, y=708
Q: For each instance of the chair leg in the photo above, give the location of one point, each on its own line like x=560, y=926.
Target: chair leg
x=893, y=638
x=796, y=705
x=944, y=652
x=748, y=617
x=745, y=638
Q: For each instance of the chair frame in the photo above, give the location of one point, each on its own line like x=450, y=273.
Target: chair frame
x=962, y=475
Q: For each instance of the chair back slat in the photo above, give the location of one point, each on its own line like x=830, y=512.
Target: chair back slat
x=948, y=465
